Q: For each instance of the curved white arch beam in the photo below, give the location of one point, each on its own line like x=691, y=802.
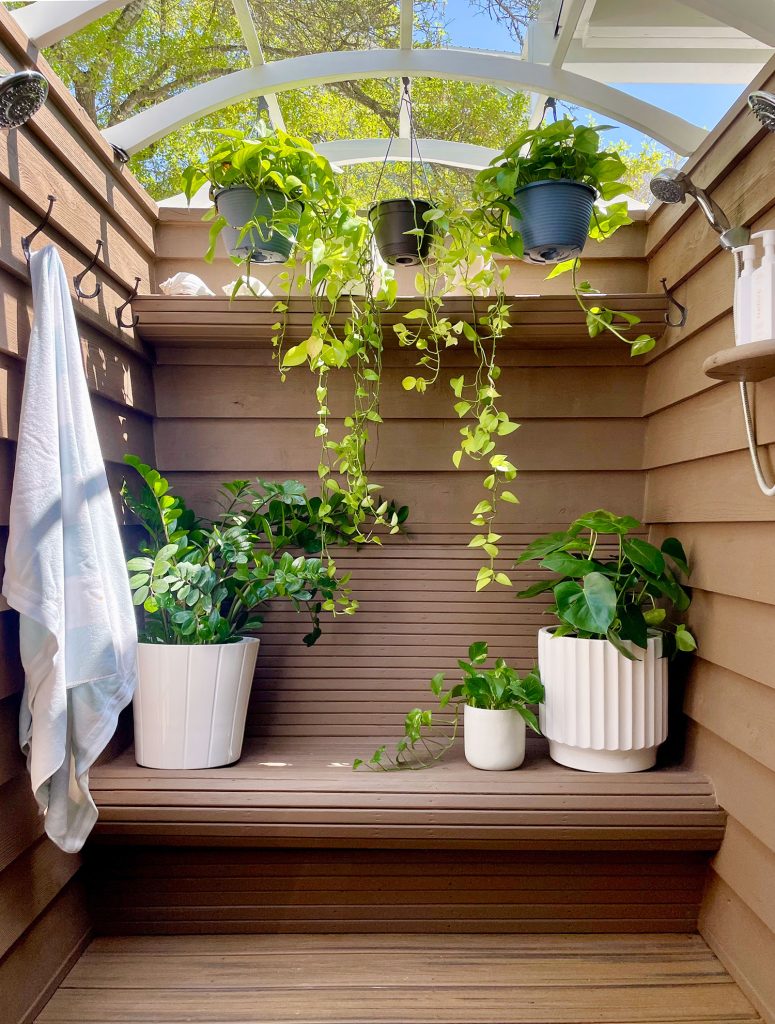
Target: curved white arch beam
x=433, y=151
x=46, y=22
x=479, y=66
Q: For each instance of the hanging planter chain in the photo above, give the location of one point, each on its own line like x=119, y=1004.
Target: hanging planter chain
x=405, y=100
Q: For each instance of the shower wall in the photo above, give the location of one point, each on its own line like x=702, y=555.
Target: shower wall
x=700, y=486
x=44, y=921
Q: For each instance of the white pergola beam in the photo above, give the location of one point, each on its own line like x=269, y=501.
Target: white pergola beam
x=570, y=16
x=433, y=151
x=754, y=17
x=499, y=70
x=46, y=22
x=256, y=54
x=406, y=24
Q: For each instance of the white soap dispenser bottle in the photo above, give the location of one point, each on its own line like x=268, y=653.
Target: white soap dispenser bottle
x=763, y=291
x=743, y=295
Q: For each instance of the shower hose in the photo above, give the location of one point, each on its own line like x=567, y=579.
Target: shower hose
x=750, y=428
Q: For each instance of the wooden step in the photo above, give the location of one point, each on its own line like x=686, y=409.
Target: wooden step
x=427, y=979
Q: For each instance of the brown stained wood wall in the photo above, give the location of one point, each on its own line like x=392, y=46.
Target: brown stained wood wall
x=700, y=486
x=44, y=921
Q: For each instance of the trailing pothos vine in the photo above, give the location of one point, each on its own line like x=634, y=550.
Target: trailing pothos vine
x=460, y=260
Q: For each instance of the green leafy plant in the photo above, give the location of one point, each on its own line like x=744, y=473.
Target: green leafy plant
x=622, y=594
x=562, y=151
x=460, y=259
x=206, y=581
x=428, y=735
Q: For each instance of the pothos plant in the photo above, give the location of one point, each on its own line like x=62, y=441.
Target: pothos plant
x=610, y=585
x=562, y=150
x=206, y=581
x=333, y=261
x=428, y=735
x=460, y=260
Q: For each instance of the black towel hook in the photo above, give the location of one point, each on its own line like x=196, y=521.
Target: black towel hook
x=78, y=279
x=683, y=313
x=27, y=239
x=120, y=309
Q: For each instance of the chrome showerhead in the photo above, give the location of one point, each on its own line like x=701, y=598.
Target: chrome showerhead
x=673, y=186
x=669, y=185
x=22, y=94
x=763, y=106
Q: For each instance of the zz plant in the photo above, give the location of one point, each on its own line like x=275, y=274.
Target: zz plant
x=562, y=151
x=206, y=581
x=428, y=736
x=610, y=585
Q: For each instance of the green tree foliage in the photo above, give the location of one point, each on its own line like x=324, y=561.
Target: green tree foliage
x=152, y=49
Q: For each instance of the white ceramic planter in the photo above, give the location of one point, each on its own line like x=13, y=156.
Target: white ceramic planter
x=191, y=702
x=493, y=740
x=603, y=712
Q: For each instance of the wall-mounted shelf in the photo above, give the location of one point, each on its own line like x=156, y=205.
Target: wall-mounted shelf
x=537, y=321
x=752, y=362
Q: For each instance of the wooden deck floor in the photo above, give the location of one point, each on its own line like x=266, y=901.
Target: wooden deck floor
x=357, y=978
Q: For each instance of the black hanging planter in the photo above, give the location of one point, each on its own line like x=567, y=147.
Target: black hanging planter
x=264, y=244
x=555, y=218
x=391, y=219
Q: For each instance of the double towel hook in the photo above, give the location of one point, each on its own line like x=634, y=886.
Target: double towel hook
x=28, y=239
x=120, y=309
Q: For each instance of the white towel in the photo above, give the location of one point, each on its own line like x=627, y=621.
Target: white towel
x=65, y=570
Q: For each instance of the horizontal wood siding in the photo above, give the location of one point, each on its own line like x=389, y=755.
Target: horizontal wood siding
x=700, y=486
x=44, y=921
x=223, y=414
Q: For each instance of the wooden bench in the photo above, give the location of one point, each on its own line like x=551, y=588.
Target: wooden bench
x=290, y=839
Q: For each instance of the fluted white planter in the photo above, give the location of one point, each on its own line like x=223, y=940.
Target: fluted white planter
x=191, y=703
x=493, y=740
x=603, y=712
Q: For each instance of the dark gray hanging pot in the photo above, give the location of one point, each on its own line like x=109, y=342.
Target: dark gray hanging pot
x=264, y=244
x=555, y=219
x=391, y=219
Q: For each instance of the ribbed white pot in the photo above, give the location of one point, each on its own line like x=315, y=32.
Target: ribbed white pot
x=191, y=703
x=493, y=740
x=603, y=712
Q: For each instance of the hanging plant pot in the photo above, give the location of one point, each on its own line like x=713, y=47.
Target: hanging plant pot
x=555, y=218
x=391, y=219
x=267, y=242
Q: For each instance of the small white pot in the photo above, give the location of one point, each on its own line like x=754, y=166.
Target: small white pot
x=494, y=740
x=191, y=703
x=603, y=712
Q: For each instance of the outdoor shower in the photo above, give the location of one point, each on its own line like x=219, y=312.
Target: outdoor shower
x=22, y=94
x=672, y=186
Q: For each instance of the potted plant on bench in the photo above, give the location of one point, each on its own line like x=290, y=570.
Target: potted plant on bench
x=265, y=190
x=496, y=707
x=202, y=584
x=604, y=666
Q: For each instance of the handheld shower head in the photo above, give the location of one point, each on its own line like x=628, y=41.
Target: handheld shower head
x=673, y=186
x=763, y=106
x=22, y=94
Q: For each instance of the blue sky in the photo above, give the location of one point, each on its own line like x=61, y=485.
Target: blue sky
x=703, y=105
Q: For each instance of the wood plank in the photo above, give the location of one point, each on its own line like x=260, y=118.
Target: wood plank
x=31, y=971
x=742, y=942
x=644, y=986
x=21, y=823
x=743, y=787
x=261, y=446
x=748, y=867
x=677, y=374
x=29, y=885
x=718, y=621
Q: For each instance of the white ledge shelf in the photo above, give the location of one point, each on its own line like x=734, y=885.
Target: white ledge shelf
x=537, y=321
x=750, y=363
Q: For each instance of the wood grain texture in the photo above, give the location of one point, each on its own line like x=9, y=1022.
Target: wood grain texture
x=471, y=980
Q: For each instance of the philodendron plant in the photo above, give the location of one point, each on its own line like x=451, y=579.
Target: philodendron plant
x=429, y=735
x=562, y=151
x=610, y=585
x=206, y=581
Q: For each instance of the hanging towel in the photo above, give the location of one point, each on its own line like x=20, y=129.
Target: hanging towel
x=65, y=570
